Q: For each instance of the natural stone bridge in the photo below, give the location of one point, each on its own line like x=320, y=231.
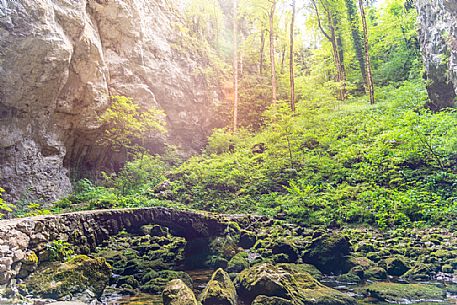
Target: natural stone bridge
x=85, y=230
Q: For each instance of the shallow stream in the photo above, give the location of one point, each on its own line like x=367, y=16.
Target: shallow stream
x=200, y=278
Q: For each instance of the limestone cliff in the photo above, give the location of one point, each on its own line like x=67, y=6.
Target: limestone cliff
x=60, y=61
x=438, y=38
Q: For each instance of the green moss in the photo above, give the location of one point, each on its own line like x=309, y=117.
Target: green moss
x=30, y=258
x=238, y=263
x=270, y=280
x=158, y=283
x=219, y=291
x=400, y=293
x=447, y=268
x=177, y=292
x=420, y=271
x=376, y=273
x=56, y=280
x=302, y=268
x=265, y=300
x=396, y=265
x=349, y=278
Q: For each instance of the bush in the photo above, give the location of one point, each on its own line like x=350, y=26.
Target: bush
x=59, y=250
x=5, y=207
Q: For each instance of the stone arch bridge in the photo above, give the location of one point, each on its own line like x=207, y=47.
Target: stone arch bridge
x=85, y=230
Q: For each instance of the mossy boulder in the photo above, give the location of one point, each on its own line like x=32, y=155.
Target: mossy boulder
x=396, y=265
x=287, y=250
x=220, y=290
x=404, y=293
x=247, y=239
x=447, y=268
x=128, y=280
x=264, y=300
x=302, y=268
x=363, y=262
x=176, y=292
x=238, y=263
x=216, y=261
x=365, y=247
x=297, y=287
x=349, y=278
x=156, y=284
x=420, y=271
x=329, y=253
x=78, y=274
x=376, y=273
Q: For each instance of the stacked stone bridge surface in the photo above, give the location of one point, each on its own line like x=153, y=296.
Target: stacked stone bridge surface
x=86, y=230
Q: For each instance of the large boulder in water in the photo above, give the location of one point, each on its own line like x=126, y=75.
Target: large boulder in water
x=296, y=287
x=404, y=293
x=329, y=253
x=220, y=290
x=178, y=293
x=78, y=275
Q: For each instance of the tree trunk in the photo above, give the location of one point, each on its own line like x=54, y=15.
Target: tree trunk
x=338, y=57
x=356, y=36
x=369, y=79
x=291, y=60
x=241, y=63
x=339, y=64
x=272, y=52
x=283, y=58
x=235, y=65
x=262, y=50
x=343, y=77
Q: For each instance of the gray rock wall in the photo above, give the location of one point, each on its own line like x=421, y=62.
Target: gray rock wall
x=438, y=39
x=86, y=230
x=60, y=61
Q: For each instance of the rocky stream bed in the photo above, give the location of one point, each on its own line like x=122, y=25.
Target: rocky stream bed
x=254, y=262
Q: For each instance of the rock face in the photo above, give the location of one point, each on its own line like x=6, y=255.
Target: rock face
x=60, y=61
x=438, y=39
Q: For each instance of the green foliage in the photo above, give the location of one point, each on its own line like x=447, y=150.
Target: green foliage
x=223, y=140
x=132, y=186
x=5, y=207
x=138, y=176
x=394, y=43
x=59, y=250
x=127, y=128
x=35, y=209
x=388, y=164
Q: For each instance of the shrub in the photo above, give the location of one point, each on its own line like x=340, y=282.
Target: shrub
x=59, y=250
x=5, y=207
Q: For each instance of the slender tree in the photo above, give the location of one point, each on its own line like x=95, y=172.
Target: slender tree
x=262, y=50
x=271, y=17
x=369, y=77
x=351, y=9
x=291, y=59
x=335, y=39
x=235, y=65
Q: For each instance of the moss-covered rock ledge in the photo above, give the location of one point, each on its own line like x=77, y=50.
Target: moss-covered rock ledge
x=24, y=240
